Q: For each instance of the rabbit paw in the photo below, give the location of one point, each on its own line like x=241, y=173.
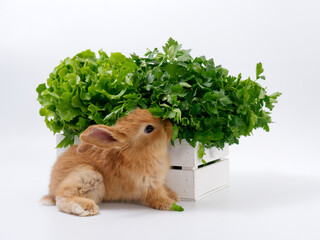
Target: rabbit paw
x=79, y=206
x=85, y=209
x=164, y=205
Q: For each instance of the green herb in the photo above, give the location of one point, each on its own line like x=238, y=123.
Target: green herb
x=176, y=207
x=201, y=151
x=200, y=98
x=204, y=162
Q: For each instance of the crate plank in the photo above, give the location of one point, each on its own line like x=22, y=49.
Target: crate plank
x=211, y=178
x=192, y=185
x=185, y=156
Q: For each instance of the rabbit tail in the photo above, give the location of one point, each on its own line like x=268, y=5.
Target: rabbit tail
x=48, y=200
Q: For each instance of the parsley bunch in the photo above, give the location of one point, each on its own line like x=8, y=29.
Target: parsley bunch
x=204, y=103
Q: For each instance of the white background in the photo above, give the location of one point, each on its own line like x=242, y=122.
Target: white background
x=275, y=177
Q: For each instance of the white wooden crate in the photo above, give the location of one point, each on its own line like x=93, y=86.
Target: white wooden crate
x=189, y=178
x=194, y=184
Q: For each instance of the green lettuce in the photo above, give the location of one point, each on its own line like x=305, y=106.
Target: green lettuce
x=204, y=103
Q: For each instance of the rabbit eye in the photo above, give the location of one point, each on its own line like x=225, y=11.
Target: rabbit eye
x=149, y=129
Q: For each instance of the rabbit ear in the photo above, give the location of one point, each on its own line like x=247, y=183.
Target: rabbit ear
x=99, y=135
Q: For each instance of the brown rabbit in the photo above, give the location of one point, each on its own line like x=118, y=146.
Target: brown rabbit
x=125, y=162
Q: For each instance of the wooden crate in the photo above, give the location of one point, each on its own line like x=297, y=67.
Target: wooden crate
x=189, y=177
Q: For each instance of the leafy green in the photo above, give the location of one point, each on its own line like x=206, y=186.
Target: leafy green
x=204, y=103
x=201, y=151
x=176, y=207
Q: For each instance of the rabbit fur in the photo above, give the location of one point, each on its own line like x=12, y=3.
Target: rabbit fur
x=123, y=163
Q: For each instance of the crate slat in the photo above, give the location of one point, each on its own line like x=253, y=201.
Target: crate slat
x=194, y=184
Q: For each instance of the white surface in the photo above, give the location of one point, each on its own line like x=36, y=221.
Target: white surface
x=274, y=190
x=268, y=204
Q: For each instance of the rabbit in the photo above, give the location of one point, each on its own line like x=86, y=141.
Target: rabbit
x=127, y=162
